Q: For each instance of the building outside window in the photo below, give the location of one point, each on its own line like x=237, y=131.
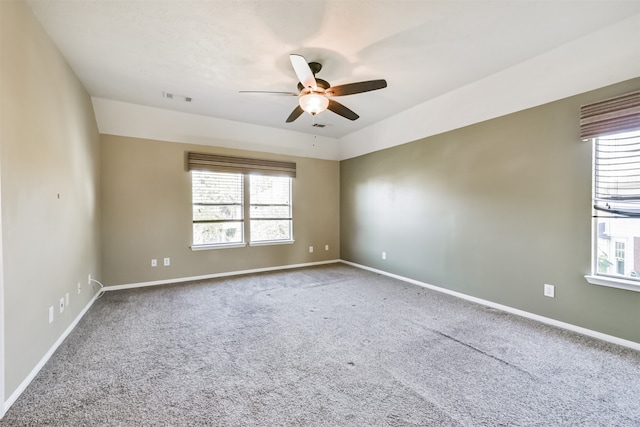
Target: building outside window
x=616, y=201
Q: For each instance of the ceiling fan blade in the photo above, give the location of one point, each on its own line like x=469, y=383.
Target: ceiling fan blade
x=295, y=114
x=353, y=88
x=341, y=110
x=302, y=70
x=266, y=92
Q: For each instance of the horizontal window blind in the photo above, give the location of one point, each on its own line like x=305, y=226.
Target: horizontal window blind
x=216, y=163
x=270, y=208
x=619, y=114
x=617, y=173
x=218, y=213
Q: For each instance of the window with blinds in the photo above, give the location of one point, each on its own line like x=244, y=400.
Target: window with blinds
x=614, y=127
x=220, y=187
x=218, y=207
x=617, y=173
x=270, y=208
x=616, y=200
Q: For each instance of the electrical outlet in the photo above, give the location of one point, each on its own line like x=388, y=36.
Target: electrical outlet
x=326, y=247
x=50, y=314
x=310, y=249
x=66, y=299
x=549, y=291
x=167, y=262
x=154, y=262
x=89, y=280
x=61, y=305
x=79, y=288
x=384, y=255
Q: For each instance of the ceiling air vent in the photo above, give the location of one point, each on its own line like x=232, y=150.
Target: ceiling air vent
x=174, y=96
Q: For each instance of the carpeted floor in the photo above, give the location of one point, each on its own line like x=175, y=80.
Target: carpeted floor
x=323, y=346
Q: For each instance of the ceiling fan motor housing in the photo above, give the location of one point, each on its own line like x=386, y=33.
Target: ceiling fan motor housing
x=319, y=82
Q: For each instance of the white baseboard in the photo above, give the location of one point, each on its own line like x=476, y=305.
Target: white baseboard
x=21, y=388
x=549, y=321
x=214, y=275
x=14, y=396
x=609, y=338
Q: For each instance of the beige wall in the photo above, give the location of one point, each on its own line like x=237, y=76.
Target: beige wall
x=494, y=210
x=146, y=212
x=50, y=230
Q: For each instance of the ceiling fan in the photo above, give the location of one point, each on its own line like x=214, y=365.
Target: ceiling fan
x=314, y=95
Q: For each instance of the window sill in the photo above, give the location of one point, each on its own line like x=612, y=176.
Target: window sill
x=240, y=245
x=612, y=282
x=273, y=242
x=223, y=246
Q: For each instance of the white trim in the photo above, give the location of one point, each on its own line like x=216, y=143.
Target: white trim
x=218, y=246
x=214, y=275
x=568, y=326
x=3, y=406
x=140, y=121
x=272, y=242
x=542, y=319
x=10, y=401
x=613, y=282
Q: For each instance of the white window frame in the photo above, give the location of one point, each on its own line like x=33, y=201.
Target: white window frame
x=603, y=279
x=289, y=216
x=246, y=221
x=241, y=220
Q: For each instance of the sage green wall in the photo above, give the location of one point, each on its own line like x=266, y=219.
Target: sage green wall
x=50, y=173
x=146, y=212
x=493, y=210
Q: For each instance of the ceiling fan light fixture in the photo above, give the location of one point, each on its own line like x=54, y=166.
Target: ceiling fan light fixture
x=314, y=103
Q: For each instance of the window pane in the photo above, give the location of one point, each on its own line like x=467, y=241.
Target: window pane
x=217, y=212
x=262, y=230
x=617, y=167
x=270, y=190
x=616, y=199
x=270, y=211
x=618, y=251
x=215, y=187
x=217, y=233
x=217, y=197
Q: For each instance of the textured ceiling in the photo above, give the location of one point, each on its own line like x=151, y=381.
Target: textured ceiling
x=134, y=51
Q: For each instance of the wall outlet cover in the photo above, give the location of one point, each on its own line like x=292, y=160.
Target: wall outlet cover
x=549, y=291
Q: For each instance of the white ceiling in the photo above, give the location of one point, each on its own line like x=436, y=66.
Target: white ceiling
x=133, y=51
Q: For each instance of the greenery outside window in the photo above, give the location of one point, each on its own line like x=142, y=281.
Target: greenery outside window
x=270, y=213
x=218, y=208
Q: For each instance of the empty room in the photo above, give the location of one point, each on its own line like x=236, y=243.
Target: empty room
x=320, y=213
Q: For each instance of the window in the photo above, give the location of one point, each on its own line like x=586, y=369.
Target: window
x=226, y=190
x=616, y=202
x=218, y=207
x=270, y=198
x=620, y=255
x=614, y=127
